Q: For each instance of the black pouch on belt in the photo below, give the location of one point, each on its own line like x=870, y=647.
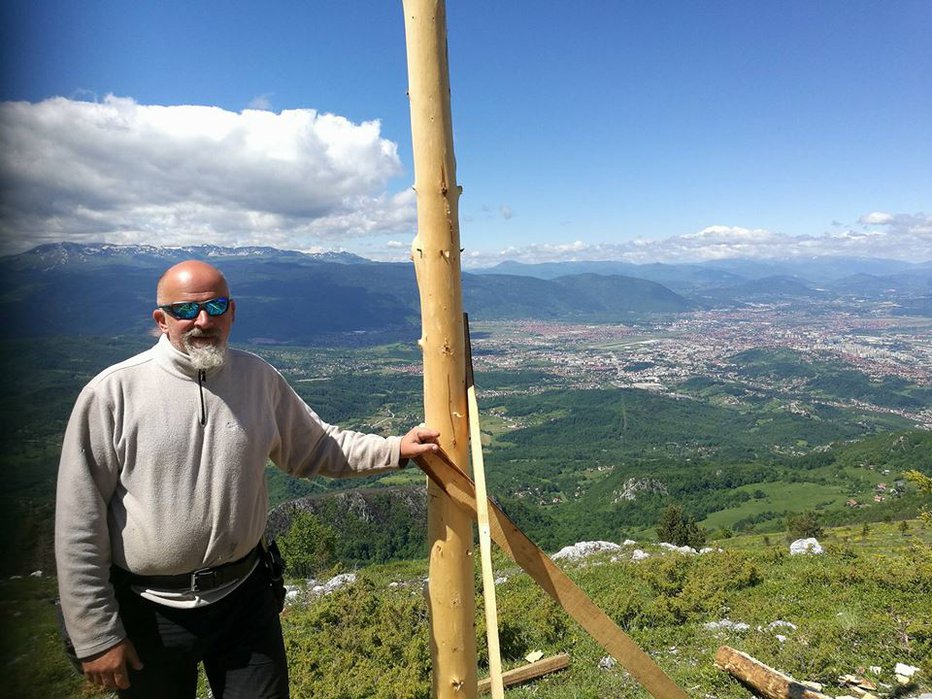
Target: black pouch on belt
x=275, y=564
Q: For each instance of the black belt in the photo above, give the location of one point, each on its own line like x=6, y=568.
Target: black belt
x=199, y=581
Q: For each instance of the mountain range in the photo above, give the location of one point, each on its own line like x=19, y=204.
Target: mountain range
x=292, y=297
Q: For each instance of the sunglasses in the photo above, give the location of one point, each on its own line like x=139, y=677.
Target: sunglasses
x=189, y=310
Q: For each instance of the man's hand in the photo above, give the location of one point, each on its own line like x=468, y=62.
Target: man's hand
x=108, y=669
x=418, y=441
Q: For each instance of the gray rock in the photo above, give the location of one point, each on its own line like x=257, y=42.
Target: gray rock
x=584, y=549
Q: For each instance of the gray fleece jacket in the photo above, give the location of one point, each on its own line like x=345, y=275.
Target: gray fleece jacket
x=144, y=485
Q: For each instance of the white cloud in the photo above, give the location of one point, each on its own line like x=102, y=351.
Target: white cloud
x=731, y=235
x=117, y=171
x=121, y=172
x=899, y=236
x=876, y=218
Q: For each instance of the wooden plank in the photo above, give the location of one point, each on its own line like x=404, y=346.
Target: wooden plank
x=482, y=519
x=529, y=672
x=764, y=680
x=554, y=581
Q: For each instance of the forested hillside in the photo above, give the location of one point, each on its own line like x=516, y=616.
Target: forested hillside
x=567, y=464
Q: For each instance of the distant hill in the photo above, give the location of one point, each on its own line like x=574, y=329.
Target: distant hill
x=872, y=286
x=71, y=255
x=338, y=298
x=679, y=277
x=817, y=270
x=287, y=296
x=802, y=282
x=766, y=289
x=575, y=297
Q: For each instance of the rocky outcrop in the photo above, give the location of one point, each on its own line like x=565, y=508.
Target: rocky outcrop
x=631, y=487
x=372, y=525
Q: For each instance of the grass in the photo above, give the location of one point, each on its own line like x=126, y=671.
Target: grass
x=779, y=497
x=863, y=603
x=36, y=665
x=840, y=483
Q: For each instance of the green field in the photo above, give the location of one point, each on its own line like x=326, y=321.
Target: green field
x=780, y=497
x=862, y=604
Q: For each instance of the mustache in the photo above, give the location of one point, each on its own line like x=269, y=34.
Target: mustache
x=201, y=332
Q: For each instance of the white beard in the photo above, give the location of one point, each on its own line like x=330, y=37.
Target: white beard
x=203, y=357
x=209, y=357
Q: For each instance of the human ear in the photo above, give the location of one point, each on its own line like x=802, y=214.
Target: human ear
x=158, y=315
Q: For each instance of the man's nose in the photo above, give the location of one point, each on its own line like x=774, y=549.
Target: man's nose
x=202, y=320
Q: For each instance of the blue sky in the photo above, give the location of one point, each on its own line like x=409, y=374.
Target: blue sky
x=603, y=130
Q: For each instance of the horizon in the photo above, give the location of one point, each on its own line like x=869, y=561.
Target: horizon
x=669, y=133
x=507, y=261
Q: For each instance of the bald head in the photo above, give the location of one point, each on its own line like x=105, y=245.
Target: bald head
x=190, y=277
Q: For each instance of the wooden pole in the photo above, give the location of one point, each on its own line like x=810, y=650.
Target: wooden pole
x=436, y=255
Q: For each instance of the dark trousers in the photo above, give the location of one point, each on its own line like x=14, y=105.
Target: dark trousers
x=238, y=639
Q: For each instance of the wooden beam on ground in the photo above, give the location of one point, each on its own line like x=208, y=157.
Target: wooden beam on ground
x=764, y=680
x=459, y=487
x=528, y=672
x=436, y=255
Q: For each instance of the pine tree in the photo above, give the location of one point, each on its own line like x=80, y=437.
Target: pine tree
x=804, y=526
x=308, y=547
x=680, y=529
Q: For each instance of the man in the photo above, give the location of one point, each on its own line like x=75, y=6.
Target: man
x=162, y=502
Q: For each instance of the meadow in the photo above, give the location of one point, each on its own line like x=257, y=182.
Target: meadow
x=859, y=608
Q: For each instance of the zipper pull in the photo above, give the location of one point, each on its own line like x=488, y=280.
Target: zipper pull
x=201, y=380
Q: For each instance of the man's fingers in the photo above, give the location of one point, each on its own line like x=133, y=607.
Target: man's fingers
x=102, y=679
x=109, y=669
x=425, y=435
x=418, y=441
x=121, y=680
x=133, y=657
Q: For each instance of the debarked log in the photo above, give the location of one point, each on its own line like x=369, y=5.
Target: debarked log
x=528, y=672
x=764, y=680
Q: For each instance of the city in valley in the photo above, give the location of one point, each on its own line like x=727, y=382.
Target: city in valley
x=660, y=355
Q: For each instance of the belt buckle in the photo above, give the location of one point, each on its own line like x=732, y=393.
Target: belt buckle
x=203, y=580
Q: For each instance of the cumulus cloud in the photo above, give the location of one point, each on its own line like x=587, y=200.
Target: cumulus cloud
x=892, y=236
x=121, y=172
x=876, y=218
x=731, y=235
x=117, y=171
